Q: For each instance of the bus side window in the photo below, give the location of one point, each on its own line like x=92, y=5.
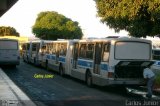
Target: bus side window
x=90, y=49
x=75, y=51
x=106, y=52
x=23, y=47
x=75, y=54
x=37, y=47
x=47, y=49
x=63, y=49
x=82, y=52
x=58, y=46
x=28, y=46
x=43, y=49
x=34, y=47
x=54, y=49
x=50, y=48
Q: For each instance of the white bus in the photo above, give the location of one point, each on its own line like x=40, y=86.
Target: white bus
x=25, y=51
x=101, y=61
x=58, y=55
x=32, y=52
x=156, y=58
x=156, y=54
x=9, y=52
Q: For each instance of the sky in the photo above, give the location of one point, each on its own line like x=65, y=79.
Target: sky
x=23, y=14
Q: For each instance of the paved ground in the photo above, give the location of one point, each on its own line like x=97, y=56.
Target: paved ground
x=11, y=94
x=58, y=90
x=28, y=84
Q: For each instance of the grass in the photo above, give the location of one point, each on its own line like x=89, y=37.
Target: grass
x=157, y=80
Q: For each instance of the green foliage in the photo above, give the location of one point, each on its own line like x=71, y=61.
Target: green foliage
x=140, y=18
x=51, y=25
x=157, y=80
x=157, y=75
x=8, y=31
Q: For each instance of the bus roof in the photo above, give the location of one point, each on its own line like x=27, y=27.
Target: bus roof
x=8, y=39
x=94, y=40
x=116, y=39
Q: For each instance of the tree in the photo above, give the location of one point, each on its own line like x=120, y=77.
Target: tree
x=8, y=31
x=140, y=18
x=51, y=25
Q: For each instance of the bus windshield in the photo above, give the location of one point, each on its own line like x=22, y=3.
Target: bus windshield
x=9, y=45
x=132, y=50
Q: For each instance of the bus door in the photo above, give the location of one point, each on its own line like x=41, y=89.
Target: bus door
x=97, y=58
x=57, y=52
x=37, y=51
x=33, y=49
x=24, y=50
x=75, y=55
x=43, y=56
x=28, y=52
x=34, y=52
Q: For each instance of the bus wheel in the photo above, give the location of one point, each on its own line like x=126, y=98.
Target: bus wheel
x=46, y=65
x=61, y=71
x=27, y=60
x=89, y=79
x=35, y=62
x=23, y=58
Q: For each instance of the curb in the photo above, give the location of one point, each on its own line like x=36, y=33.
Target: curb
x=13, y=95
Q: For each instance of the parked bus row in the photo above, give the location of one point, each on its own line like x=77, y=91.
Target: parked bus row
x=9, y=52
x=118, y=61
x=32, y=52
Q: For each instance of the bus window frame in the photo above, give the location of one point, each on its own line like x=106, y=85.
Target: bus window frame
x=82, y=54
x=107, y=52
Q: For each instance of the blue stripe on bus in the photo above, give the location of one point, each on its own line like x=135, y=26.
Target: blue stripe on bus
x=104, y=67
x=53, y=57
x=62, y=59
x=158, y=62
x=48, y=56
x=85, y=63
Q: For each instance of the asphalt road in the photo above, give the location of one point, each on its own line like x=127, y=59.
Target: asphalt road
x=49, y=88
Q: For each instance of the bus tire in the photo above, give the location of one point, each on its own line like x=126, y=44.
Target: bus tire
x=13, y=66
x=35, y=61
x=23, y=58
x=46, y=65
x=27, y=60
x=89, y=79
x=61, y=71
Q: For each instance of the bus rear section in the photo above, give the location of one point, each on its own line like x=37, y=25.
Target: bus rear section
x=35, y=51
x=129, y=60
x=9, y=52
